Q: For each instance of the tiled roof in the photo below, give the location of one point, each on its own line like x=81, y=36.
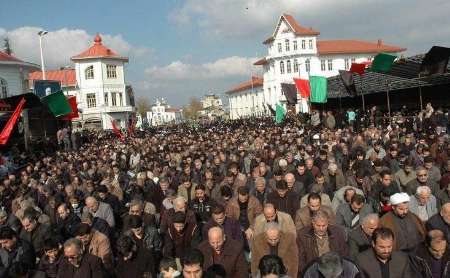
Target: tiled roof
x=354, y=46
x=261, y=62
x=98, y=50
x=67, y=77
x=8, y=58
x=254, y=82
x=298, y=29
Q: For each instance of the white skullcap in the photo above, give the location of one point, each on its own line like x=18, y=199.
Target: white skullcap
x=316, y=136
x=399, y=198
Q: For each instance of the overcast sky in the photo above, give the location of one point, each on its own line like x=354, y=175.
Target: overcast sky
x=184, y=48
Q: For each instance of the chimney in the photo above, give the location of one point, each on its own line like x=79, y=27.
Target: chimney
x=379, y=42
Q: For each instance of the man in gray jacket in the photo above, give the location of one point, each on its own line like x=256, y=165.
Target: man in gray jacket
x=100, y=210
x=423, y=203
x=349, y=215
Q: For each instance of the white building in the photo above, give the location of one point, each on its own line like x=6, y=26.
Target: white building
x=211, y=106
x=98, y=82
x=14, y=75
x=162, y=113
x=247, y=99
x=294, y=51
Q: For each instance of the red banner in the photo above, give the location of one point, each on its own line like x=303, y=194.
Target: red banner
x=117, y=131
x=6, y=132
x=73, y=105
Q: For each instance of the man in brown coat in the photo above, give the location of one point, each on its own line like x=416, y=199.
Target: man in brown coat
x=244, y=203
x=226, y=252
x=303, y=215
x=275, y=242
x=96, y=244
x=319, y=238
x=408, y=230
x=271, y=214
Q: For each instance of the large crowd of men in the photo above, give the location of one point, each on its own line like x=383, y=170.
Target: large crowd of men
x=242, y=198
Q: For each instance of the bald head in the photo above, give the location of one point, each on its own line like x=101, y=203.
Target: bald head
x=445, y=213
x=216, y=238
x=92, y=204
x=179, y=204
x=273, y=233
x=270, y=213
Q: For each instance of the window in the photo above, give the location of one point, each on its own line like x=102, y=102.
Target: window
x=330, y=65
x=120, y=99
x=303, y=44
x=3, y=88
x=353, y=60
x=322, y=65
x=295, y=45
x=106, y=99
x=295, y=65
x=347, y=64
x=113, y=99
x=280, y=47
x=91, y=102
x=111, y=71
x=310, y=44
x=281, y=67
x=286, y=42
x=307, y=65
x=89, y=72
x=288, y=66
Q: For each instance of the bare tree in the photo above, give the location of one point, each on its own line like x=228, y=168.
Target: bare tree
x=7, y=46
x=143, y=105
x=191, y=110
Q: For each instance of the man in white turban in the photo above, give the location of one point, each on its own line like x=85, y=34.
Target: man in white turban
x=408, y=229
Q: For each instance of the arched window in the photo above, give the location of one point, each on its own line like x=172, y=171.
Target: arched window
x=288, y=66
x=89, y=72
x=3, y=88
x=307, y=65
x=282, y=67
x=295, y=65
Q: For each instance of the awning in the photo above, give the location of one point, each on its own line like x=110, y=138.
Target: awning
x=404, y=75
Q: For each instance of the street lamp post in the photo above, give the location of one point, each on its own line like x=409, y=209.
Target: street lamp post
x=41, y=34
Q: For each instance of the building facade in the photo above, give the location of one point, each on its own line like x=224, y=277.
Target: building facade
x=162, y=114
x=99, y=84
x=294, y=51
x=247, y=99
x=211, y=106
x=14, y=75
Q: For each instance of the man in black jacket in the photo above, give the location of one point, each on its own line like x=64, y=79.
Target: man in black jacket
x=133, y=261
x=66, y=222
x=35, y=232
x=441, y=221
x=432, y=257
x=13, y=249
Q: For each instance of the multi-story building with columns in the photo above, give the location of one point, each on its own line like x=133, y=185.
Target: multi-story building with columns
x=99, y=84
x=295, y=51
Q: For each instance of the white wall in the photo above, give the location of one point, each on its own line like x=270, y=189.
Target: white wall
x=16, y=77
